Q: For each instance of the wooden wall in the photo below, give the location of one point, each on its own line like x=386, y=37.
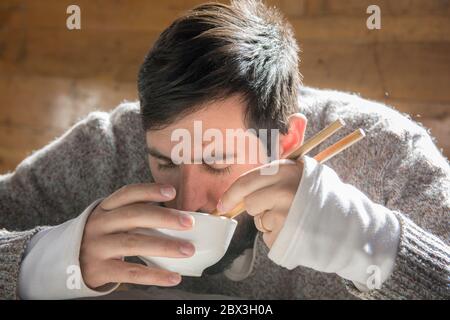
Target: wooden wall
x=50, y=76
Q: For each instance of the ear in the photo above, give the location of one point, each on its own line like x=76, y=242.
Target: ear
x=294, y=137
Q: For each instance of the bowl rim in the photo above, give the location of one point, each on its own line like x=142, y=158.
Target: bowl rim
x=204, y=214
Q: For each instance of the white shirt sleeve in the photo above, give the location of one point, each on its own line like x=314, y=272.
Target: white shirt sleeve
x=334, y=227
x=51, y=267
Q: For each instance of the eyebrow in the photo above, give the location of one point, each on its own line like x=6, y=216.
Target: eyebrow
x=155, y=153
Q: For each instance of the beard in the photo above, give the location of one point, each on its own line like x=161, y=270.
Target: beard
x=243, y=238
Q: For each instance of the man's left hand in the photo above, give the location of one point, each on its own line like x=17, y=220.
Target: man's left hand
x=267, y=197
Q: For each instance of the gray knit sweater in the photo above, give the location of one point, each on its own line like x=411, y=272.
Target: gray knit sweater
x=396, y=165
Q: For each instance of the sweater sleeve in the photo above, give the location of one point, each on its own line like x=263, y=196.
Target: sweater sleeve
x=51, y=266
x=56, y=184
x=333, y=227
x=12, y=246
x=416, y=186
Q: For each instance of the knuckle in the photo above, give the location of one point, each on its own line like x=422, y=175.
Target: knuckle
x=279, y=218
x=92, y=276
x=257, y=221
x=250, y=206
x=286, y=195
x=169, y=247
x=124, y=188
x=85, y=248
x=129, y=242
x=128, y=213
x=94, y=220
x=119, y=192
x=168, y=219
x=135, y=274
x=151, y=190
x=89, y=229
x=88, y=271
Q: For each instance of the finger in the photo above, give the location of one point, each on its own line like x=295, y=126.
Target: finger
x=140, y=215
x=260, y=201
x=144, y=192
x=269, y=221
x=275, y=196
x=260, y=226
x=269, y=238
x=129, y=244
x=243, y=186
x=118, y=271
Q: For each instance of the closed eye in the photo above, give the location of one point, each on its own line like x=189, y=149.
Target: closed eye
x=169, y=165
x=166, y=166
x=218, y=171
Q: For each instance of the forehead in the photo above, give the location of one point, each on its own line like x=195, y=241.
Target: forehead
x=223, y=114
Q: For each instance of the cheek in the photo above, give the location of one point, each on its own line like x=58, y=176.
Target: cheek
x=243, y=168
x=217, y=185
x=236, y=172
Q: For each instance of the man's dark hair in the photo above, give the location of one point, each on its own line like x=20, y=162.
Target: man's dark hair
x=215, y=51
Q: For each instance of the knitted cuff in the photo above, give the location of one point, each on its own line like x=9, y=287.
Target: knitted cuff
x=12, y=248
x=422, y=267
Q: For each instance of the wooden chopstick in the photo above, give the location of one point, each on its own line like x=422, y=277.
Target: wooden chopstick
x=298, y=153
x=321, y=157
x=316, y=140
x=340, y=146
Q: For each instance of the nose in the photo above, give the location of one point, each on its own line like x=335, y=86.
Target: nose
x=193, y=192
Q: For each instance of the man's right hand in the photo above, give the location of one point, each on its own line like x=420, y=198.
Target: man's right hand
x=106, y=238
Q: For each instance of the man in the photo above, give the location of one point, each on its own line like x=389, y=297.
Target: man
x=372, y=223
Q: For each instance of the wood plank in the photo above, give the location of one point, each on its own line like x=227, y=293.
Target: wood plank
x=418, y=109
x=351, y=30
x=102, y=15
x=413, y=71
x=388, y=7
x=292, y=8
x=77, y=54
x=348, y=8
x=416, y=71
x=440, y=130
x=147, y=16
x=28, y=126
x=50, y=77
x=16, y=143
x=348, y=68
x=57, y=103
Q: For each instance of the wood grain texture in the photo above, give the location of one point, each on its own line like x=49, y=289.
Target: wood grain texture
x=50, y=77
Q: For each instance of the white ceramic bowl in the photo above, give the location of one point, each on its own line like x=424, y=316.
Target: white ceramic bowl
x=211, y=235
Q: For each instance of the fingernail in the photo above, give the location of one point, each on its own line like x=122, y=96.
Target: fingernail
x=174, y=278
x=186, y=219
x=187, y=249
x=168, y=191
